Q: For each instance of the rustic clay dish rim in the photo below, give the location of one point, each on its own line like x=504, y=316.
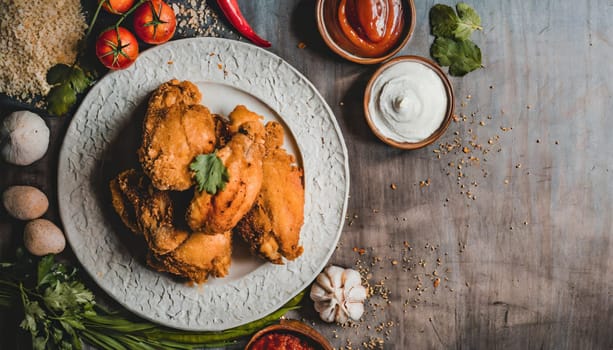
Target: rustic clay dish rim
x=292, y=326
x=450, y=103
x=334, y=46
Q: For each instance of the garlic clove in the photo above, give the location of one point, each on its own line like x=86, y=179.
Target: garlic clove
x=356, y=294
x=335, y=274
x=355, y=310
x=324, y=282
x=319, y=294
x=351, y=278
x=342, y=315
x=327, y=312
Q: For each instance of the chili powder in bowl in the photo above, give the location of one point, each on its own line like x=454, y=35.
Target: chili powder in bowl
x=365, y=31
x=289, y=334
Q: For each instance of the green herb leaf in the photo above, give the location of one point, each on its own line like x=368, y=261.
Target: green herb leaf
x=78, y=80
x=39, y=343
x=33, y=314
x=60, y=99
x=68, y=81
x=44, y=269
x=68, y=297
x=462, y=56
x=211, y=175
x=443, y=21
x=468, y=22
x=58, y=74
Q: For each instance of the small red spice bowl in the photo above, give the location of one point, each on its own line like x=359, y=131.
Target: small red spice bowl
x=330, y=29
x=292, y=331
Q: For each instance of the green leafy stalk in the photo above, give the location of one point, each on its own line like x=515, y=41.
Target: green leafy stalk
x=61, y=313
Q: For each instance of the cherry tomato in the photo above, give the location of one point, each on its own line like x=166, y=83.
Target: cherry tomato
x=116, y=48
x=117, y=7
x=154, y=22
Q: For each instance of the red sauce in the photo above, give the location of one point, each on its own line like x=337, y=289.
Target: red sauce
x=281, y=341
x=373, y=26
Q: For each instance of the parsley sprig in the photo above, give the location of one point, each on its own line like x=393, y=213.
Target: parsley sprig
x=60, y=312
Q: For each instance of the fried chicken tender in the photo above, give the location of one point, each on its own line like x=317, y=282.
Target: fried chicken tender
x=176, y=129
x=148, y=211
x=272, y=226
x=242, y=156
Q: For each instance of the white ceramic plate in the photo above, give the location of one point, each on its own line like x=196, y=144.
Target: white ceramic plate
x=102, y=140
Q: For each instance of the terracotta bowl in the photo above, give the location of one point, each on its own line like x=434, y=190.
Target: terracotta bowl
x=296, y=328
x=327, y=23
x=450, y=103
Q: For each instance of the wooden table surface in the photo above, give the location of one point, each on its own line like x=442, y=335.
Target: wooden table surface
x=518, y=230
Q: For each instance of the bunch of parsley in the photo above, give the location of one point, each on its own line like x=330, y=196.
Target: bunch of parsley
x=452, y=46
x=61, y=313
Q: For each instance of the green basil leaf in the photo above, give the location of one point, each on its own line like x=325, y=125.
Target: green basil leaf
x=469, y=21
x=444, y=51
x=443, y=21
x=58, y=74
x=462, y=56
x=60, y=99
x=78, y=80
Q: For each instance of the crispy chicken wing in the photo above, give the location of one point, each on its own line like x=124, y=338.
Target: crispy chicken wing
x=272, y=226
x=242, y=156
x=176, y=129
x=149, y=211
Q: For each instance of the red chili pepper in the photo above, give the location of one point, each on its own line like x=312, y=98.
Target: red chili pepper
x=232, y=12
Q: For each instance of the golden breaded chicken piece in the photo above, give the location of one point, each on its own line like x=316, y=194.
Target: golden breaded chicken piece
x=151, y=209
x=122, y=197
x=242, y=156
x=176, y=129
x=272, y=226
x=171, y=249
x=190, y=261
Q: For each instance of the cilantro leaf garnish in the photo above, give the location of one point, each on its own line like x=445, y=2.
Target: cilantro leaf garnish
x=210, y=173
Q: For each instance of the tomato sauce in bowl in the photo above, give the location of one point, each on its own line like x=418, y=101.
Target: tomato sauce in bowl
x=365, y=31
x=373, y=26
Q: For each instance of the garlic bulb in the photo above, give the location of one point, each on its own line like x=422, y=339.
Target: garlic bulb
x=339, y=295
x=24, y=137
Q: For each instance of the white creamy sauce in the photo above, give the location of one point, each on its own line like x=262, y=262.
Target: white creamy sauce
x=408, y=102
